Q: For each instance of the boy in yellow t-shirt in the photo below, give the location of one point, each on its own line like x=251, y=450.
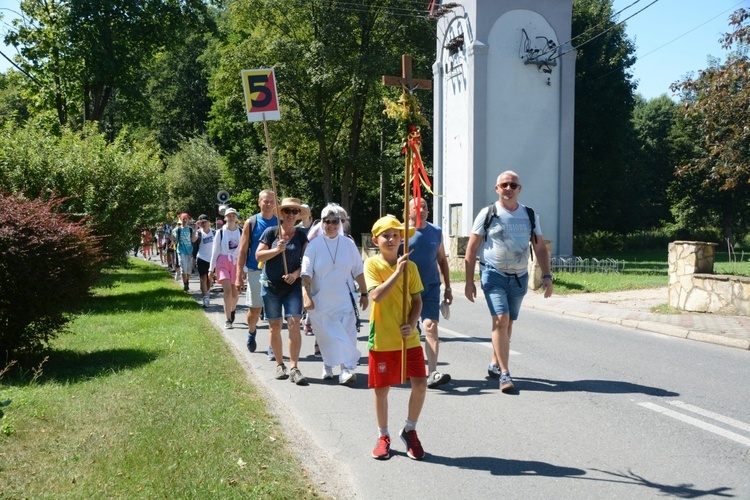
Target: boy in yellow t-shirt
x=385, y=284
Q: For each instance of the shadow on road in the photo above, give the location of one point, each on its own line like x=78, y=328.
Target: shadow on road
x=600, y=386
x=684, y=490
x=503, y=467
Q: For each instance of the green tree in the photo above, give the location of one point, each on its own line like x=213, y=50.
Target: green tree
x=84, y=53
x=604, y=104
x=13, y=106
x=715, y=109
x=329, y=59
x=653, y=159
x=193, y=178
x=178, y=93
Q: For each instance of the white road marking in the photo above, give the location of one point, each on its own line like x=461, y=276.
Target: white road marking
x=484, y=343
x=698, y=423
x=712, y=415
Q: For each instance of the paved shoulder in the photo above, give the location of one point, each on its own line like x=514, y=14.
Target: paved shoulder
x=635, y=309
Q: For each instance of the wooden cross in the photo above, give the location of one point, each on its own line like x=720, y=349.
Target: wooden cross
x=405, y=81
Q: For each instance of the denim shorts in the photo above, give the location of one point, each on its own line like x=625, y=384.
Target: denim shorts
x=272, y=303
x=431, y=302
x=503, y=293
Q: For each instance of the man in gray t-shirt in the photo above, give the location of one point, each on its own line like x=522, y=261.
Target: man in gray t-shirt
x=503, y=259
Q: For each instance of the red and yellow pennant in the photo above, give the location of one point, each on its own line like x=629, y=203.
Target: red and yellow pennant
x=418, y=176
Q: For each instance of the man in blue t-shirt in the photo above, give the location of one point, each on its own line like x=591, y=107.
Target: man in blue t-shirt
x=247, y=265
x=428, y=253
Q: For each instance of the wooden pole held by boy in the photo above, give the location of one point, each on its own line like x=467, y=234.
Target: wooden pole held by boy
x=408, y=84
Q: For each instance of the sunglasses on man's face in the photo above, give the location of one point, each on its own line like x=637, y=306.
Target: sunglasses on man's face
x=288, y=211
x=331, y=221
x=506, y=185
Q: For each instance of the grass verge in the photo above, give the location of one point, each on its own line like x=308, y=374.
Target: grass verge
x=642, y=269
x=142, y=398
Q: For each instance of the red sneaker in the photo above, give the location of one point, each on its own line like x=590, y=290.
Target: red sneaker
x=382, y=449
x=413, y=446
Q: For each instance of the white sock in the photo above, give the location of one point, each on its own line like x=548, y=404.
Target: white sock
x=384, y=432
x=410, y=426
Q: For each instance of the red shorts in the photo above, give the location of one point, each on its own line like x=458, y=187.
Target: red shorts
x=385, y=367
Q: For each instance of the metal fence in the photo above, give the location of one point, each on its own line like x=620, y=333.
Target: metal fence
x=579, y=265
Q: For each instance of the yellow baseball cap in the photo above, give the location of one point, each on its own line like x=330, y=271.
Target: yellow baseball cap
x=390, y=222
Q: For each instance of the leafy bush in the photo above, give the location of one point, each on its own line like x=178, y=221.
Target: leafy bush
x=47, y=265
x=598, y=241
x=117, y=186
x=654, y=239
x=193, y=177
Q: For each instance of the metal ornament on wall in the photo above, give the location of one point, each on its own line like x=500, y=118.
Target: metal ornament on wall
x=540, y=51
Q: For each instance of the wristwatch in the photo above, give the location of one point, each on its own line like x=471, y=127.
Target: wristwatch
x=547, y=276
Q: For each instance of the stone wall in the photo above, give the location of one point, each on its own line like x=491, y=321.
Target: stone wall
x=693, y=286
x=368, y=247
x=456, y=253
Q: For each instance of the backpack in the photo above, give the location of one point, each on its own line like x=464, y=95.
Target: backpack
x=252, y=220
x=196, y=246
x=492, y=213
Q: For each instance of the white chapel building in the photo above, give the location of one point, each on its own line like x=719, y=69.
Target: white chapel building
x=504, y=81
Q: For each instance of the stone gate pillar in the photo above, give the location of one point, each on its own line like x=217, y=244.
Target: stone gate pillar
x=687, y=258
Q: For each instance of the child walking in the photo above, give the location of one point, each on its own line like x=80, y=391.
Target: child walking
x=384, y=279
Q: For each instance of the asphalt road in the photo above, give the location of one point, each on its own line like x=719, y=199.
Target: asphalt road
x=602, y=411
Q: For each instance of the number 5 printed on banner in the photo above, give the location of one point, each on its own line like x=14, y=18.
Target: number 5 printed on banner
x=261, y=98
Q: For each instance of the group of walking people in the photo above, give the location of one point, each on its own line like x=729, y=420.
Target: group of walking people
x=288, y=268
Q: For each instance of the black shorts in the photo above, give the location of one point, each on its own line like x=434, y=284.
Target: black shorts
x=203, y=267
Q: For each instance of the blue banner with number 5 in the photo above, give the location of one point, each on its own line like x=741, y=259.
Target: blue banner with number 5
x=261, y=99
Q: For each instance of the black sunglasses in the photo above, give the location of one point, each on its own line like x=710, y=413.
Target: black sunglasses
x=287, y=211
x=505, y=185
x=331, y=221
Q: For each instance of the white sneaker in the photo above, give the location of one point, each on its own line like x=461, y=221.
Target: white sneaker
x=206, y=302
x=327, y=372
x=346, y=377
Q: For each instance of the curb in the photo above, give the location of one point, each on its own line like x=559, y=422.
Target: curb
x=654, y=327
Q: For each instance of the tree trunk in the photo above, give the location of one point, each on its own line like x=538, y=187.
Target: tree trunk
x=349, y=177
x=325, y=165
x=726, y=221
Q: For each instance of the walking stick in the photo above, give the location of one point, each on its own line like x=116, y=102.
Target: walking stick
x=405, y=302
x=273, y=187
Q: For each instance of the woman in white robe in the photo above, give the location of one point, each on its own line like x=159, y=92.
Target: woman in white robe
x=330, y=268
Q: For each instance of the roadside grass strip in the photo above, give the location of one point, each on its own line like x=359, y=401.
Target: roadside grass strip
x=142, y=398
